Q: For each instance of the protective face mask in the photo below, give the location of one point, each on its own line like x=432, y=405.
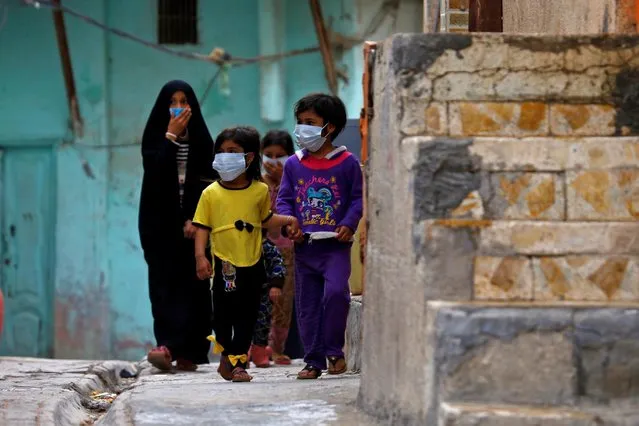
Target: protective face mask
x=309, y=137
x=229, y=165
x=265, y=159
x=280, y=160
x=176, y=111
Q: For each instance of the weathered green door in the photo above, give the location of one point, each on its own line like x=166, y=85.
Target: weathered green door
x=27, y=216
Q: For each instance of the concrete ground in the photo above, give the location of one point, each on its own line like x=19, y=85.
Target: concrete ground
x=33, y=391
x=274, y=397
x=58, y=392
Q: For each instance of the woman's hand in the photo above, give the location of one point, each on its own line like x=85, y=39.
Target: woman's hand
x=203, y=267
x=274, y=294
x=189, y=230
x=274, y=171
x=178, y=124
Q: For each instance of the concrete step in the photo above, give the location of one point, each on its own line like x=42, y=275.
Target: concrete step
x=353, y=347
x=571, y=355
x=519, y=415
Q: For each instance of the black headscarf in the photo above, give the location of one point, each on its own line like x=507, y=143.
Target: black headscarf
x=161, y=219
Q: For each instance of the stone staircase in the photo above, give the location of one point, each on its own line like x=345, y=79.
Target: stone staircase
x=547, y=364
x=502, y=277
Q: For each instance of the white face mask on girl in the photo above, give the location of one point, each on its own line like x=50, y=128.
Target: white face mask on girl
x=280, y=160
x=229, y=165
x=310, y=137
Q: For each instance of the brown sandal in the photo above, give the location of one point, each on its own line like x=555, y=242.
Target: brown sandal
x=185, y=365
x=336, y=365
x=225, y=368
x=239, y=374
x=309, y=373
x=281, y=359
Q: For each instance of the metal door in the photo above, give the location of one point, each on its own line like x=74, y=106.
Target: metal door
x=27, y=207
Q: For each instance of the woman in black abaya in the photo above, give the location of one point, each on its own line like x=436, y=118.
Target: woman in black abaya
x=177, y=152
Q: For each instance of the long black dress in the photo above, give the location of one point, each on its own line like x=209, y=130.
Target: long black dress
x=180, y=302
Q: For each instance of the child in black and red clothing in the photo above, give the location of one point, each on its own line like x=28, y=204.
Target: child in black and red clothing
x=271, y=291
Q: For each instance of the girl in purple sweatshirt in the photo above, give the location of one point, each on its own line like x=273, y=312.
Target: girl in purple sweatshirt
x=322, y=187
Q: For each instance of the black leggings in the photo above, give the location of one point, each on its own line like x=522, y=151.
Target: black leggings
x=235, y=312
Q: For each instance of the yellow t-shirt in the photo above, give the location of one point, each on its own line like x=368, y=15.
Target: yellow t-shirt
x=218, y=210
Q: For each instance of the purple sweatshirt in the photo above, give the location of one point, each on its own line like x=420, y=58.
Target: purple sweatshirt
x=323, y=193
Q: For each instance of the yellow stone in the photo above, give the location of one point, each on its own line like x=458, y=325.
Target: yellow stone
x=433, y=119
x=507, y=273
x=475, y=121
x=632, y=204
x=505, y=111
x=531, y=115
x=554, y=276
x=512, y=189
x=577, y=261
x=541, y=198
x=593, y=186
x=576, y=115
x=627, y=177
x=610, y=275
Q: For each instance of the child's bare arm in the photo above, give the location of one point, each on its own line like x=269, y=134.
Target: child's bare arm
x=201, y=237
x=278, y=220
x=203, y=266
x=290, y=222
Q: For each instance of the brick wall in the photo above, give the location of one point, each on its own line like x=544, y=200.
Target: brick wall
x=504, y=168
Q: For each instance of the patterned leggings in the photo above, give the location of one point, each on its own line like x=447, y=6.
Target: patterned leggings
x=279, y=313
x=263, y=324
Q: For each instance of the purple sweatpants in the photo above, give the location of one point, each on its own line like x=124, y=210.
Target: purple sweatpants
x=322, y=299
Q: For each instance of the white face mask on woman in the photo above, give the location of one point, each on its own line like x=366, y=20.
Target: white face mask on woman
x=310, y=137
x=229, y=165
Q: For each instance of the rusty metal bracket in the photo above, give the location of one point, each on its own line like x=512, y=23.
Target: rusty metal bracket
x=367, y=85
x=67, y=70
x=324, y=45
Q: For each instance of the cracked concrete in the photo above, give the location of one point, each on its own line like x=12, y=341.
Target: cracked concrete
x=51, y=392
x=56, y=392
x=274, y=397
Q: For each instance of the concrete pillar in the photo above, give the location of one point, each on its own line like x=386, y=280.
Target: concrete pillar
x=503, y=248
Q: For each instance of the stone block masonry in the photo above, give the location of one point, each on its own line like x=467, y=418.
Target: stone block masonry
x=510, y=365
x=504, y=169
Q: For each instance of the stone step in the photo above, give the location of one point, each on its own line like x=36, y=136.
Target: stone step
x=520, y=415
x=531, y=354
x=353, y=347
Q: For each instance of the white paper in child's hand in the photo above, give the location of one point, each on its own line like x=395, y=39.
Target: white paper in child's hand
x=324, y=235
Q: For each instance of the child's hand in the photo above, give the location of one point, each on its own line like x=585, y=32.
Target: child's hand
x=203, y=267
x=294, y=231
x=274, y=170
x=274, y=294
x=294, y=234
x=344, y=234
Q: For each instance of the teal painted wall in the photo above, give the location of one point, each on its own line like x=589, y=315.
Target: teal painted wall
x=97, y=275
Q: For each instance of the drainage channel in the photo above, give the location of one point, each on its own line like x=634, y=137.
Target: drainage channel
x=100, y=387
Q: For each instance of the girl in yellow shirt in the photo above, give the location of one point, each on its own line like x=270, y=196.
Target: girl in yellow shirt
x=232, y=211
